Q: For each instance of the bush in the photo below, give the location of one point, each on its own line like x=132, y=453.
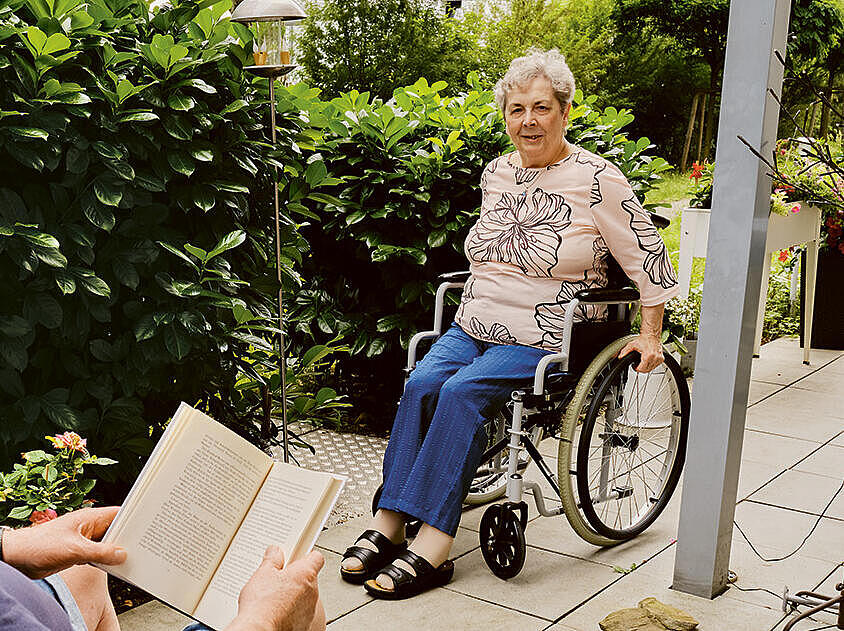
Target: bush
x=47, y=485
x=136, y=273
x=375, y=45
x=411, y=169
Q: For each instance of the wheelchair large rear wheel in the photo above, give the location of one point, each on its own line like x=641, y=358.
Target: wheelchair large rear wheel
x=594, y=378
x=632, y=446
x=490, y=481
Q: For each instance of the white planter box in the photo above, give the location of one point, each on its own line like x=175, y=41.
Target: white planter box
x=783, y=232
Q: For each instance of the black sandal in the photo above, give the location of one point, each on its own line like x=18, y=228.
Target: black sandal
x=406, y=584
x=373, y=562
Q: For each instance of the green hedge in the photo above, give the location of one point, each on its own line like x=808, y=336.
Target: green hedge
x=411, y=170
x=137, y=271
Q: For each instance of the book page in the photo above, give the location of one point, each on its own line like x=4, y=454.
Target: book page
x=184, y=517
x=290, y=500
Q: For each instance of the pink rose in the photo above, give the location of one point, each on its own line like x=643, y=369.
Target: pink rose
x=40, y=516
x=795, y=209
x=69, y=440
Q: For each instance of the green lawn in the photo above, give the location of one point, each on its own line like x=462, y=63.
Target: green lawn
x=673, y=188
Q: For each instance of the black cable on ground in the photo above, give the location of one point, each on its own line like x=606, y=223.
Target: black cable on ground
x=805, y=539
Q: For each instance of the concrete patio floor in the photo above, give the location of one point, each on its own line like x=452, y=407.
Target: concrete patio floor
x=792, y=464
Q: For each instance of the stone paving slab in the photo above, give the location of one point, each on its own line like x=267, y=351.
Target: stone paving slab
x=437, y=610
x=549, y=584
x=807, y=492
x=153, y=616
x=779, y=531
x=720, y=614
x=771, y=449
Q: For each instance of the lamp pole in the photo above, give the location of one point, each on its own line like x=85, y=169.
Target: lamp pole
x=278, y=11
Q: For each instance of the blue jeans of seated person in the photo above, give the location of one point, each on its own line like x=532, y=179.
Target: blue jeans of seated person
x=438, y=436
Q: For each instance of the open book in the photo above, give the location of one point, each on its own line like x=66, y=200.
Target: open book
x=203, y=511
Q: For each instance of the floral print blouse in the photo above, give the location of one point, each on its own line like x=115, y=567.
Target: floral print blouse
x=546, y=233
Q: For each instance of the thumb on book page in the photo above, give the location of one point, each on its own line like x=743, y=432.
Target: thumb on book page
x=274, y=555
x=105, y=553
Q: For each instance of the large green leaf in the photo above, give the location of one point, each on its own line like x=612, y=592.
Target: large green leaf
x=92, y=283
x=13, y=352
x=108, y=190
x=180, y=101
x=108, y=150
x=65, y=282
x=27, y=132
x=203, y=197
x=177, y=343
x=145, y=328
x=180, y=162
x=138, y=117
x=55, y=407
x=123, y=170
x=14, y=326
x=231, y=240
x=36, y=237
x=177, y=127
x=99, y=215
x=126, y=273
x=42, y=307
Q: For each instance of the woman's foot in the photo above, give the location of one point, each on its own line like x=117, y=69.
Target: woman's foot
x=405, y=583
x=382, y=542
x=433, y=547
x=371, y=553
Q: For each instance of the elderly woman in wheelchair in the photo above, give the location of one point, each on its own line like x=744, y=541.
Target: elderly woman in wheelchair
x=554, y=220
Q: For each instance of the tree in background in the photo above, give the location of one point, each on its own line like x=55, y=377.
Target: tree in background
x=376, y=45
x=650, y=75
x=696, y=29
x=582, y=31
x=816, y=47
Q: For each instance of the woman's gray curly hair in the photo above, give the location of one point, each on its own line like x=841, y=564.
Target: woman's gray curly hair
x=537, y=63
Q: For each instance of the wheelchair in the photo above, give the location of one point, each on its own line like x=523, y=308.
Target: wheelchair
x=621, y=434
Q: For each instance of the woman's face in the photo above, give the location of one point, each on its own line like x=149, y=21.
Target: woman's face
x=536, y=122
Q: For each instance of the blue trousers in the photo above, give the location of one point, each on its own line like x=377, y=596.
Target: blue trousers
x=438, y=436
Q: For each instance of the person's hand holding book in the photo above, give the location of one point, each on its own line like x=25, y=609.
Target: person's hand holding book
x=58, y=544
x=279, y=598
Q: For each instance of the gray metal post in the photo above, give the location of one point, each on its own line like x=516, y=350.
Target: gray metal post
x=737, y=231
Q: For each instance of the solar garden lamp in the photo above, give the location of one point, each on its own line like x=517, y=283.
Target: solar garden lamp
x=268, y=21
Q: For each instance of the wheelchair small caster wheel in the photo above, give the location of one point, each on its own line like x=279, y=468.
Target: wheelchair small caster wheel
x=502, y=541
x=411, y=527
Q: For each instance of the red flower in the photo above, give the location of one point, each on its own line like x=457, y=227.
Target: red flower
x=783, y=255
x=40, y=516
x=697, y=171
x=796, y=208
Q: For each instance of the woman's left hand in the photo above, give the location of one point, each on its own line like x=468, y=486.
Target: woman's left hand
x=649, y=347
x=649, y=342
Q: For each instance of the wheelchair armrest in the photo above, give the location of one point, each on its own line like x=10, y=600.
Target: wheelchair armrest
x=608, y=296
x=660, y=221
x=413, y=345
x=455, y=277
x=542, y=366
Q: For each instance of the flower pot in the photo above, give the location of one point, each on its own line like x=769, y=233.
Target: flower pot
x=828, y=320
x=687, y=361
x=783, y=231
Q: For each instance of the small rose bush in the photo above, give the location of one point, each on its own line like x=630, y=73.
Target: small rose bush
x=48, y=484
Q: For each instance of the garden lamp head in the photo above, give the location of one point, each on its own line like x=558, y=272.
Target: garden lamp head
x=267, y=11
x=271, y=39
